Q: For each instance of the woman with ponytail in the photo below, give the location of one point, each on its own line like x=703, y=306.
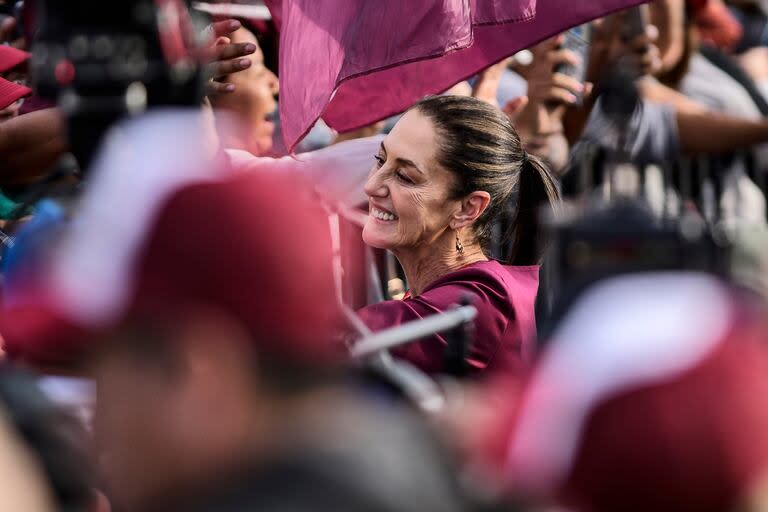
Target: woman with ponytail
x=450, y=169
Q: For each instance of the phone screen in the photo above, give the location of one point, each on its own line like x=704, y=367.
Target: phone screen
x=577, y=40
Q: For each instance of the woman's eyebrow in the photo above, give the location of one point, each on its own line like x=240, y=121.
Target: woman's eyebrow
x=403, y=161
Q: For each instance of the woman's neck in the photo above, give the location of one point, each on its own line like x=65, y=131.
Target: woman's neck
x=427, y=264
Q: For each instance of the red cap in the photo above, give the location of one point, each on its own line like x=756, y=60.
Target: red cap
x=255, y=247
x=653, y=396
x=11, y=57
x=698, y=442
x=11, y=92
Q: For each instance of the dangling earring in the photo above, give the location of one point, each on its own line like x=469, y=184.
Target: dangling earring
x=459, y=245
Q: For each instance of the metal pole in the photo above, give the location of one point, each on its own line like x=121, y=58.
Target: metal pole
x=402, y=334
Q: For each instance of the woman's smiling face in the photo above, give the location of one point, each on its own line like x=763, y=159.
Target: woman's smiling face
x=409, y=193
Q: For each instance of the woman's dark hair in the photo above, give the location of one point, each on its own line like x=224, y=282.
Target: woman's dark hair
x=479, y=145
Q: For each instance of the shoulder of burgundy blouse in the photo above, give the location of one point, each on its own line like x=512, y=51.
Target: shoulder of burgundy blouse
x=490, y=272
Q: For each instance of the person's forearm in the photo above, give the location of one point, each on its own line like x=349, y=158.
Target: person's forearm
x=30, y=145
x=716, y=133
x=654, y=91
x=669, y=17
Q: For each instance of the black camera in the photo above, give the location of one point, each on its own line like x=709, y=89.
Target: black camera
x=101, y=61
x=625, y=237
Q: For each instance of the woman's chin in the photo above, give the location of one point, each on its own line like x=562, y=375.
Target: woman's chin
x=374, y=238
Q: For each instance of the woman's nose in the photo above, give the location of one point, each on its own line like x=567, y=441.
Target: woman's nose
x=375, y=186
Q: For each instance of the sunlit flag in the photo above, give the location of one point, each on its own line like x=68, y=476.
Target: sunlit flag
x=354, y=62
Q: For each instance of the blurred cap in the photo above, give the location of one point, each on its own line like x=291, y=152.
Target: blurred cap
x=11, y=92
x=162, y=232
x=653, y=396
x=11, y=57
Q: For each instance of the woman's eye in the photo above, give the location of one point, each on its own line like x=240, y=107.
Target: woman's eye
x=404, y=177
x=379, y=160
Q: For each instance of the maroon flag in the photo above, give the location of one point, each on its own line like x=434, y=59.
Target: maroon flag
x=354, y=62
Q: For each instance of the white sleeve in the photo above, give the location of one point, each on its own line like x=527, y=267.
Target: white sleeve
x=339, y=171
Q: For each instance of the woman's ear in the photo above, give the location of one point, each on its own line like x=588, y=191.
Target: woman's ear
x=472, y=207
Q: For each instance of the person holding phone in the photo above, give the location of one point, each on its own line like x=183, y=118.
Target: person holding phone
x=551, y=91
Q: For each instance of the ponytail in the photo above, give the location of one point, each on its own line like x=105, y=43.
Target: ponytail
x=535, y=187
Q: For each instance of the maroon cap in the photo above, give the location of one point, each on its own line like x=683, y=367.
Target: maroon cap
x=11, y=92
x=697, y=442
x=652, y=396
x=11, y=57
x=255, y=247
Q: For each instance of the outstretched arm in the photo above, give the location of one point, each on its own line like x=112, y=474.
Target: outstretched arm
x=30, y=145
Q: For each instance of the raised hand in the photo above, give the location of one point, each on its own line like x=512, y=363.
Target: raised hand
x=223, y=57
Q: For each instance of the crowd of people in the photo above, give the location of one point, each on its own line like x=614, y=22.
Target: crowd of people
x=545, y=288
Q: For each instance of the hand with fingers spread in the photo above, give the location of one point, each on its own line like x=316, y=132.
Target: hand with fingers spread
x=224, y=57
x=547, y=85
x=539, y=117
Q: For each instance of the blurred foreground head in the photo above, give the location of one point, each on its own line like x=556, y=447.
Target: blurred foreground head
x=203, y=302
x=652, y=396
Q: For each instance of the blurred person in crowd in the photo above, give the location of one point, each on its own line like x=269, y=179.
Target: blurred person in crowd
x=221, y=369
x=445, y=173
x=666, y=122
x=252, y=103
x=13, y=81
x=650, y=130
x=632, y=409
x=718, y=83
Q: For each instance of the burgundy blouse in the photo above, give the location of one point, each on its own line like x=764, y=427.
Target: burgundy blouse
x=505, y=327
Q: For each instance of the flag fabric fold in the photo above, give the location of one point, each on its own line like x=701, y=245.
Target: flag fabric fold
x=354, y=62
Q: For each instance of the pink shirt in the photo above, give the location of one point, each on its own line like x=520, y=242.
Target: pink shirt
x=505, y=327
